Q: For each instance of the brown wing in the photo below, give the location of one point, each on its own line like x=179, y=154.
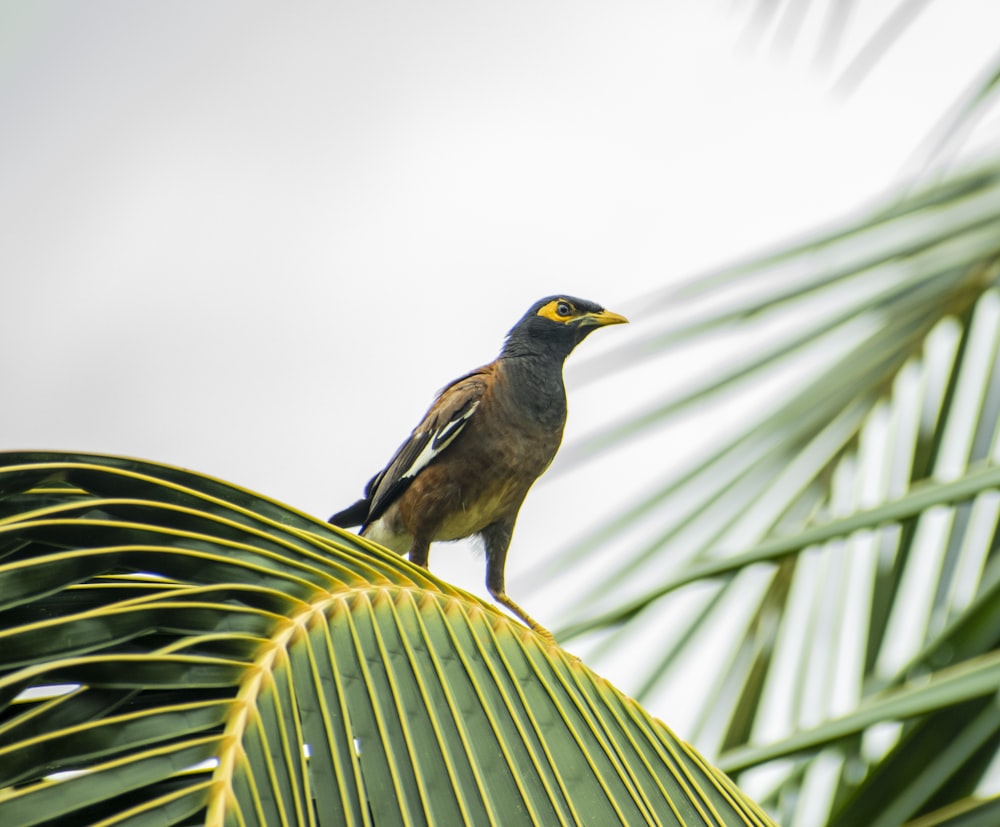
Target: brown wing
x=439, y=428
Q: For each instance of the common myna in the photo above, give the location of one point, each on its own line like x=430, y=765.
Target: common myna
x=468, y=465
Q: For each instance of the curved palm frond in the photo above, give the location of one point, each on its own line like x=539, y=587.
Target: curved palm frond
x=175, y=650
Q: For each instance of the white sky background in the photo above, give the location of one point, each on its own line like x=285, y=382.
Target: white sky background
x=253, y=238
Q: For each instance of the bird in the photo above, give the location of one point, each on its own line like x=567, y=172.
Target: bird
x=467, y=467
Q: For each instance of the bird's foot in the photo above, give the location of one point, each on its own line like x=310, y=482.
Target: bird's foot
x=525, y=618
x=544, y=634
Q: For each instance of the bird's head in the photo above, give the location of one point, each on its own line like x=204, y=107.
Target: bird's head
x=557, y=324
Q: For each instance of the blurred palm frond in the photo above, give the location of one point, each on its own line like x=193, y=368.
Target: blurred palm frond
x=825, y=559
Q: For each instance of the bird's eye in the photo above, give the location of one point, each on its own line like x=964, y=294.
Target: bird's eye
x=563, y=309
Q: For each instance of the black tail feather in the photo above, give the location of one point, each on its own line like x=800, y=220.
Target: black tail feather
x=352, y=515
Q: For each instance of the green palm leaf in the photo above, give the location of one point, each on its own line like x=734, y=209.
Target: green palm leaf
x=827, y=557
x=176, y=650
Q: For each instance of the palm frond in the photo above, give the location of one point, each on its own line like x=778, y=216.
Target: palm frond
x=176, y=650
x=830, y=549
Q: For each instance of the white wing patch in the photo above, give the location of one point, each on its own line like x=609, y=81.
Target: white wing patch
x=440, y=439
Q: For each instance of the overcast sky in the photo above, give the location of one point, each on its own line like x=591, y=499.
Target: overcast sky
x=254, y=238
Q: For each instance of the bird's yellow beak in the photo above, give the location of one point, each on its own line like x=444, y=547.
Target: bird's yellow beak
x=605, y=317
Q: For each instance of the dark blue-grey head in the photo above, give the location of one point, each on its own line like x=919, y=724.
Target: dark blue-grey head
x=555, y=325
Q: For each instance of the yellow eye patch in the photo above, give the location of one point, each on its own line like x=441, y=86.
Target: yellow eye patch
x=551, y=311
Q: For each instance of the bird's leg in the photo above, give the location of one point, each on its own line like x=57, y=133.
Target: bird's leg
x=420, y=551
x=497, y=540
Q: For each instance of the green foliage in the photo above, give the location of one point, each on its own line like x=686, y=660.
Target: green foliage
x=835, y=537
x=175, y=650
